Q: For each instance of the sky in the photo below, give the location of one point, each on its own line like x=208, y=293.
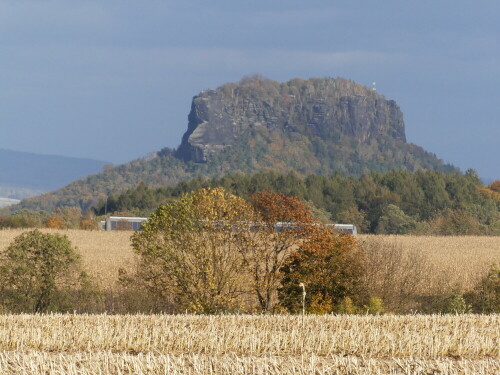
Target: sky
x=113, y=79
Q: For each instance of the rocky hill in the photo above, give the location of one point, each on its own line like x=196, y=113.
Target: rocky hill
x=315, y=126
x=326, y=109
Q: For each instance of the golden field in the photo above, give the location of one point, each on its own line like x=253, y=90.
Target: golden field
x=464, y=259
x=458, y=261
x=244, y=344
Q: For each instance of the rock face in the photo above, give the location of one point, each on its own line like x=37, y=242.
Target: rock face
x=325, y=108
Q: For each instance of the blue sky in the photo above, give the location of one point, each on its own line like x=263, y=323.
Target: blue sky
x=113, y=79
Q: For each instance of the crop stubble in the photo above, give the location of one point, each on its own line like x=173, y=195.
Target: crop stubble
x=244, y=344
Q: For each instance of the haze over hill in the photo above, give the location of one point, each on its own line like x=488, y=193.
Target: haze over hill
x=24, y=174
x=315, y=126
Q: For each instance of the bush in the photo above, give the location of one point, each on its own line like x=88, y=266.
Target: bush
x=375, y=306
x=24, y=219
x=42, y=273
x=88, y=224
x=346, y=306
x=456, y=304
x=486, y=297
x=55, y=222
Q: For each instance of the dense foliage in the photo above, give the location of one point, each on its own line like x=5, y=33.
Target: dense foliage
x=399, y=202
x=41, y=272
x=211, y=251
x=188, y=251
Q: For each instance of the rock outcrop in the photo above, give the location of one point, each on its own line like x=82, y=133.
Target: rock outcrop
x=326, y=108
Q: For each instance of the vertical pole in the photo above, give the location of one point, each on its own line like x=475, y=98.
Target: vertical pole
x=303, y=298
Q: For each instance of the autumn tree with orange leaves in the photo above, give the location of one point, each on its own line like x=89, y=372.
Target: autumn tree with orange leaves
x=280, y=225
x=330, y=265
x=495, y=186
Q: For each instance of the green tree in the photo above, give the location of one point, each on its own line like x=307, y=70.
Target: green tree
x=41, y=272
x=354, y=216
x=394, y=221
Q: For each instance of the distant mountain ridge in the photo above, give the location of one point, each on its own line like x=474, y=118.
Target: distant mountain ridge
x=315, y=126
x=25, y=173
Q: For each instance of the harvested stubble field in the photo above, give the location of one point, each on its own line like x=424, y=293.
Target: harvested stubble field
x=243, y=344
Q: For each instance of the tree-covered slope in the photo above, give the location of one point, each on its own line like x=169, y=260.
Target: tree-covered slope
x=426, y=202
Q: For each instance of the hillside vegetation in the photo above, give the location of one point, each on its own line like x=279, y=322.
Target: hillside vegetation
x=396, y=202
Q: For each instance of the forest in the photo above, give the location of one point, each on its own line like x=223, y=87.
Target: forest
x=395, y=202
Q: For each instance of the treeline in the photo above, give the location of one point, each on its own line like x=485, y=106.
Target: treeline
x=396, y=202
x=60, y=218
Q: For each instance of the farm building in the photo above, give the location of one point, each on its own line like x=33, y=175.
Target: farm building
x=123, y=223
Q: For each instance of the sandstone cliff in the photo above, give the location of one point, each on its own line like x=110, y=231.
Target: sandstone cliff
x=325, y=108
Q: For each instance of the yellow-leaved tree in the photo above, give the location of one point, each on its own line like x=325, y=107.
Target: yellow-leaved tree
x=188, y=253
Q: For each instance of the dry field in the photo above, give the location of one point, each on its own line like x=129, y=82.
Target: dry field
x=452, y=261
x=103, y=252
x=187, y=344
x=463, y=259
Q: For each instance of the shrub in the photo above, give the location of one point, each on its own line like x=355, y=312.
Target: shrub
x=486, y=297
x=42, y=273
x=88, y=224
x=456, y=304
x=375, y=306
x=55, y=222
x=346, y=306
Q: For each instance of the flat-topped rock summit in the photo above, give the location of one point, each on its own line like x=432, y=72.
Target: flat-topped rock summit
x=326, y=108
